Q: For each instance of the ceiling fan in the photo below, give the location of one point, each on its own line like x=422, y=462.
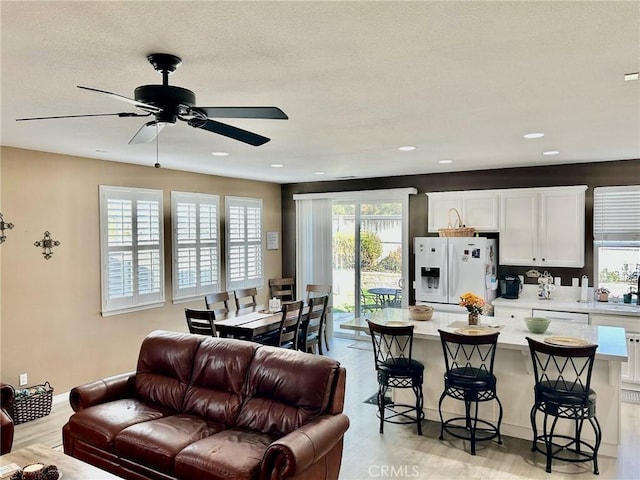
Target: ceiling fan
x=169, y=103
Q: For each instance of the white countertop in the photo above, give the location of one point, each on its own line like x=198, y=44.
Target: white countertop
x=565, y=300
x=610, y=340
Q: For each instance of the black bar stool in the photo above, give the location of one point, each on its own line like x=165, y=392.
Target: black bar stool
x=563, y=391
x=392, y=346
x=469, y=377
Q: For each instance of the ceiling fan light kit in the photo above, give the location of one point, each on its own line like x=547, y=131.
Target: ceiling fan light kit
x=169, y=103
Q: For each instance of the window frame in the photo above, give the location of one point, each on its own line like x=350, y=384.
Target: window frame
x=136, y=301
x=245, y=203
x=189, y=293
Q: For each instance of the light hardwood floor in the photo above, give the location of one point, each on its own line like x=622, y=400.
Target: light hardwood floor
x=400, y=452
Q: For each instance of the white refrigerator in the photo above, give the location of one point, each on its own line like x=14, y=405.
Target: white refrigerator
x=447, y=267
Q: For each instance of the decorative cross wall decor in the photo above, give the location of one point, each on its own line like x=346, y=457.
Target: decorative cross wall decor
x=47, y=243
x=4, y=226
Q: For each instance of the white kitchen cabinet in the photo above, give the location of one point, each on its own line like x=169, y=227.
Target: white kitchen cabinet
x=542, y=226
x=630, y=374
x=478, y=209
x=511, y=314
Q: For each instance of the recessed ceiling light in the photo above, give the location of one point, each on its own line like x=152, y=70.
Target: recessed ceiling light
x=534, y=135
x=407, y=148
x=318, y=173
x=445, y=161
x=551, y=152
x=631, y=76
x=277, y=165
x=219, y=154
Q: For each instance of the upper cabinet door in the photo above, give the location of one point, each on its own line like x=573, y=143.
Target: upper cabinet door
x=561, y=235
x=518, y=228
x=542, y=227
x=478, y=209
x=438, y=211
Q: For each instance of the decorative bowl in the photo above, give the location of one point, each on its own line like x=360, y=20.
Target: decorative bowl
x=537, y=324
x=420, y=312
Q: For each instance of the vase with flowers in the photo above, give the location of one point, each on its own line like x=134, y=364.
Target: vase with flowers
x=474, y=305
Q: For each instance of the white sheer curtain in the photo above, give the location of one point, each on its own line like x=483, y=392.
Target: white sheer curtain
x=313, y=243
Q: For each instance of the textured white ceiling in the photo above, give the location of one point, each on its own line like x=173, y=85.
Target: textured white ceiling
x=459, y=80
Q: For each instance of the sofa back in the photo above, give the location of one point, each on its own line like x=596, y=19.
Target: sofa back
x=286, y=389
x=216, y=390
x=164, y=368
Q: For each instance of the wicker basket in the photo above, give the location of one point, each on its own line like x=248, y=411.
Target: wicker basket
x=36, y=404
x=459, y=231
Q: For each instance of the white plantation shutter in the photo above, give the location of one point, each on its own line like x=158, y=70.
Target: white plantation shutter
x=131, y=238
x=616, y=213
x=196, y=265
x=244, y=242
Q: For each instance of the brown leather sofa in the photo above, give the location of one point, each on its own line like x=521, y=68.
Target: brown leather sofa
x=7, y=396
x=213, y=408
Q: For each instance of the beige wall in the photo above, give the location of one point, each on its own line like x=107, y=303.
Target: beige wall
x=50, y=321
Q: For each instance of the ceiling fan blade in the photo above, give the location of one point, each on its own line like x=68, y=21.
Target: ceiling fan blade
x=144, y=106
x=244, y=112
x=147, y=132
x=122, y=114
x=229, y=131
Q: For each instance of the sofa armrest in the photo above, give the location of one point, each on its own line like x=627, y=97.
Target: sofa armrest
x=296, y=452
x=102, y=391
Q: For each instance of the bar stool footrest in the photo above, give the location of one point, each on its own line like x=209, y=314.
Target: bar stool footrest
x=399, y=413
x=458, y=428
x=566, y=452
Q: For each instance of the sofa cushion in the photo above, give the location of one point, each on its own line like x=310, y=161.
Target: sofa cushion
x=232, y=454
x=158, y=441
x=100, y=424
x=164, y=367
x=285, y=390
x=217, y=383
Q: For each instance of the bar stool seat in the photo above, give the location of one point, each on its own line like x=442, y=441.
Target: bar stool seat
x=469, y=377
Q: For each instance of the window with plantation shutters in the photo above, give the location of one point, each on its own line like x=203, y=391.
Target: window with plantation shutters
x=131, y=244
x=196, y=253
x=244, y=242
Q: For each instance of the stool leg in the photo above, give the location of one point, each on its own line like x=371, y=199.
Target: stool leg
x=419, y=402
x=534, y=427
x=440, y=412
x=598, y=434
x=499, y=420
x=549, y=440
x=381, y=407
x=472, y=423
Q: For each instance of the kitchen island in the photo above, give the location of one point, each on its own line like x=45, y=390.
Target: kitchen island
x=513, y=369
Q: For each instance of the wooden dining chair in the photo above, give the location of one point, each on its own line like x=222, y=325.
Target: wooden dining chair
x=245, y=297
x=282, y=288
x=213, y=300
x=201, y=322
x=312, y=326
x=289, y=325
x=315, y=290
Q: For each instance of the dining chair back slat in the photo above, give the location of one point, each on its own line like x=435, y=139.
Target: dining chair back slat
x=245, y=297
x=283, y=289
x=201, y=322
x=218, y=302
x=290, y=325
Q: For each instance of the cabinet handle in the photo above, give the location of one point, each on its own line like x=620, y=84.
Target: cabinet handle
x=534, y=259
x=543, y=259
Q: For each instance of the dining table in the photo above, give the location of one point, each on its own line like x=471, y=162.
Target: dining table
x=247, y=323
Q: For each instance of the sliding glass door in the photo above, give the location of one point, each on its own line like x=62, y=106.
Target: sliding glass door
x=367, y=258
